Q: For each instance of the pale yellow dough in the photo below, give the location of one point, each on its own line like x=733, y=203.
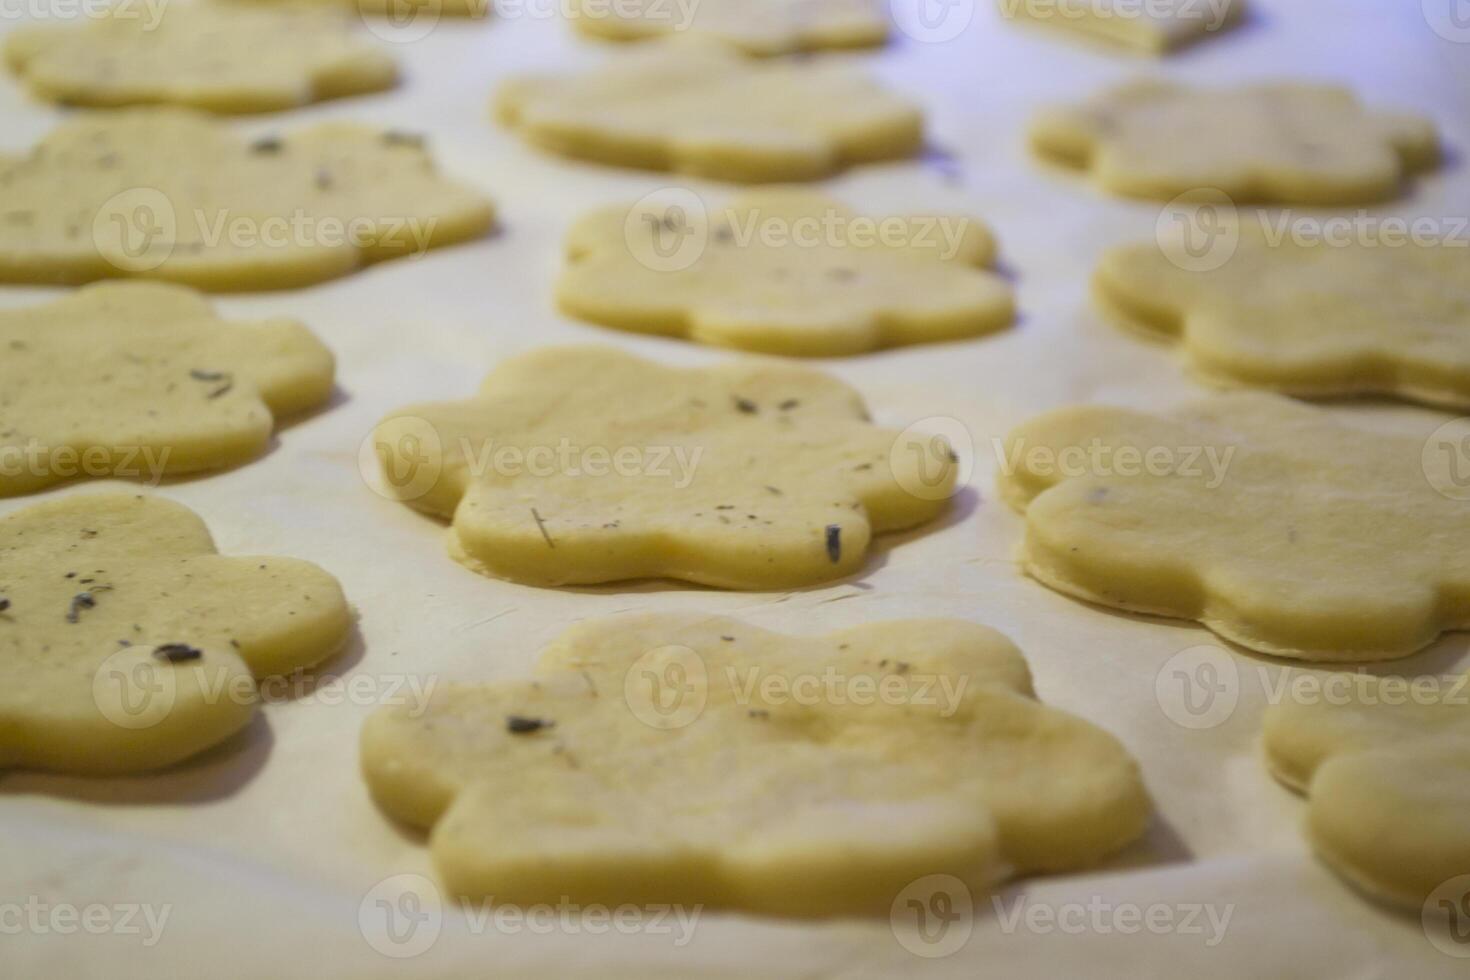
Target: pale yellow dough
x=1306, y=318
x=758, y=27
x=98, y=590
x=578, y=465
x=1263, y=518
x=1387, y=771
x=828, y=285
x=143, y=380
x=1289, y=142
x=213, y=56
x=686, y=759
x=1151, y=28
x=701, y=108
x=167, y=193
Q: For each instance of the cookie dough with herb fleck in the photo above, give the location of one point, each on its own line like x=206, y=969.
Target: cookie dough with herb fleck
x=596, y=783
x=144, y=380
x=1311, y=319
x=1286, y=143
x=1267, y=520
x=1387, y=773
x=833, y=282
x=758, y=27
x=579, y=465
x=218, y=57
x=167, y=193
x=700, y=108
x=129, y=644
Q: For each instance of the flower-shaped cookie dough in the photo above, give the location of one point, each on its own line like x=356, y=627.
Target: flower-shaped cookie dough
x=128, y=644
x=784, y=272
x=702, y=108
x=218, y=57
x=697, y=760
x=577, y=465
x=1386, y=764
x=758, y=27
x=1307, y=318
x=167, y=193
x=143, y=380
x=1266, y=520
x=1292, y=143
x=1154, y=28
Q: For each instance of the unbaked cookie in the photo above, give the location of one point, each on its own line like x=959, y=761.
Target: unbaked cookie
x=1154, y=27
x=143, y=380
x=1291, y=143
x=167, y=193
x=758, y=27
x=129, y=644
x=214, y=56
x=785, y=272
x=578, y=465
x=698, y=760
x=1310, y=318
x=1263, y=518
x=1386, y=764
x=701, y=108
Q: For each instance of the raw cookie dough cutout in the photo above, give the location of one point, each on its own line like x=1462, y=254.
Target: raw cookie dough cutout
x=129, y=644
x=757, y=27
x=1290, y=143
x=699, y=107
x=599, y=783
x=167, y=193
x=1266, y=520
x=218, y=57
x=1312, y=319
x=1387, y=774
x=834, y=282
x=142, y=381
x=581, y=465
x=1152, y=28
